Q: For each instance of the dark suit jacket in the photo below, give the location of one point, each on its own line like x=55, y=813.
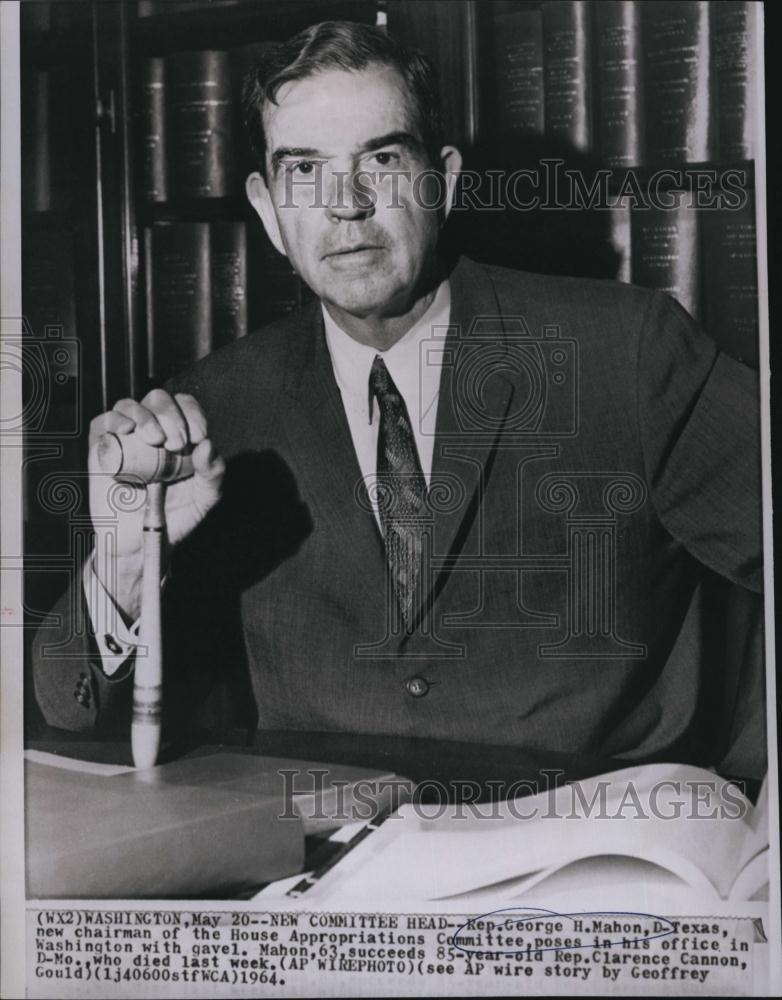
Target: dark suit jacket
x=595, y=497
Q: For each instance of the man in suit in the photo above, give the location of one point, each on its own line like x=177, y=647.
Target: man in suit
x=468, y=504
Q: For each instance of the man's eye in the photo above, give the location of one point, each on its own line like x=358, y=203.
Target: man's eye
x=385, y=158
x=300, y=167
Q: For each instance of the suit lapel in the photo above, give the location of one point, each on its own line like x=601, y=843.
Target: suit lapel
x=317, y=428
x=475, y=398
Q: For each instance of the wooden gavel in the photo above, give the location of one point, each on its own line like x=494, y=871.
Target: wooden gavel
x=130, y=459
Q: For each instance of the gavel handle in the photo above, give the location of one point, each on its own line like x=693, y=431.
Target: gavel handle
x=148, y=679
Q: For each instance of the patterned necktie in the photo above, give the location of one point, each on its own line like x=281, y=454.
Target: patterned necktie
x=401, y=488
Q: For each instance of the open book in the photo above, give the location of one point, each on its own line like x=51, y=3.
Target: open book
x=659, y=831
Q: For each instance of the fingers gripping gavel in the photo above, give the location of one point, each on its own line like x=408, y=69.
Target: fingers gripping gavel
x=130, y=458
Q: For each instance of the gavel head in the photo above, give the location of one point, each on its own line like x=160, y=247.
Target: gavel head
x=128, y=458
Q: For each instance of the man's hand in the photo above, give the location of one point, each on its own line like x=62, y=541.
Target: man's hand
x=117, y=510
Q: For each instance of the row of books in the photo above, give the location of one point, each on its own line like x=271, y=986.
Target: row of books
x=210, y=282
x=704, y=257
x=55, y=15
x=633, y=83
x=193, y=140
x=207, y=284
x=193, y=136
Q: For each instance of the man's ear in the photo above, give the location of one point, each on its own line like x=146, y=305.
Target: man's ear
x=261, y=201
x=451, y=160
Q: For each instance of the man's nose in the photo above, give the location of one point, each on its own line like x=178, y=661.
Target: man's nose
x=350, y=196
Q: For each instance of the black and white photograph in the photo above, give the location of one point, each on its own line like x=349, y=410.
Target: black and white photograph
x=387, y=552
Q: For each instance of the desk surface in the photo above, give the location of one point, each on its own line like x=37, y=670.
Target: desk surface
x=446, y=770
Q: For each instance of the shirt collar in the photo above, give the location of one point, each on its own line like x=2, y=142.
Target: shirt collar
x=416, y=376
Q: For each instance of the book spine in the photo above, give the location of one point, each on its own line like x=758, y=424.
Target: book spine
x=566, y=72
x=273, y=288
x=181, y=304
x=65, y=127
x=619, y=230
x=665, y=250
x=200, y=125
x=154, y=124
x=731, y=293
x=619, y=91
x=677, y=82
x=36, y=154
x=735, y=71
x=49, y=284
x=47, y=140
x=149, y=299
x=518, y=69
x=228, y=247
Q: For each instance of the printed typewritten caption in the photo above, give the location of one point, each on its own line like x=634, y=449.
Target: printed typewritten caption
x=127, y=953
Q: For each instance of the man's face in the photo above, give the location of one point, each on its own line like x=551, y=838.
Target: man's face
x=348, y=185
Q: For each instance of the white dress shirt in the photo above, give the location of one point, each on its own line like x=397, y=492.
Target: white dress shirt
x=115, y=640
x=414, y=363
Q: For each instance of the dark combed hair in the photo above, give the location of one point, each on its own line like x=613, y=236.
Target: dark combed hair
x=344, y=45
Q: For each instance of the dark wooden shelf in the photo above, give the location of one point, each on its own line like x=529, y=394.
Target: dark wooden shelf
x=235, y=208
x=687, y=172
x=510, y=152
x=55, y=48
x=51, y=218
x=720, y=166
x=246, y=21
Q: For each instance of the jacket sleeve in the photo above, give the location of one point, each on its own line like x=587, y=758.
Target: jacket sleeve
x=71, y=688
x=205, y=679
x=699, y=419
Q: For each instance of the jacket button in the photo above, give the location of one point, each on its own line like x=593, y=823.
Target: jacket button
x=417, y=687
x=82, y=692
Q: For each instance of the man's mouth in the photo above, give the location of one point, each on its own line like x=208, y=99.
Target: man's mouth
x=358, y=248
